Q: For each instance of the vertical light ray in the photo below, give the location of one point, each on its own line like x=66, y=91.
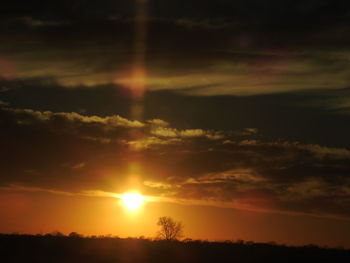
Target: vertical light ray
x=137, y=83
x=138, y=74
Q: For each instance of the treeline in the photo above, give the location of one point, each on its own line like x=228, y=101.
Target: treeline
x=56, y=247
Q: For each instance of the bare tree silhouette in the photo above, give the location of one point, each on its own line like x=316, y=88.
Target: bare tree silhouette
x=169, y=228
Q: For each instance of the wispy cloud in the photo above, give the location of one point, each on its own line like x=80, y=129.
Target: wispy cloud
x=76, y=152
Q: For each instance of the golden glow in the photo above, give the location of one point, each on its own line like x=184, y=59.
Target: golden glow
x=132, y=201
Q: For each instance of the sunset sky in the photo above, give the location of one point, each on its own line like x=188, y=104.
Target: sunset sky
x=230, y=116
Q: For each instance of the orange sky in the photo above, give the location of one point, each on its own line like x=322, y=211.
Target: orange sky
x=33, y=212
x=233, y=117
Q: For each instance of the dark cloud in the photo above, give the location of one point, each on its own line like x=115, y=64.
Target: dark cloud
x=50, y=145
x=251, y=11
x=316, y=117
x=74, y=152
x=198, y=57
x=261, y=23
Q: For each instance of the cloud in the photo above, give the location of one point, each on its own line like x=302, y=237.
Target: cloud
x=27, y=117
x=27, y=22
x=149, y=142
x=2, y=103
x=294, y=112
x=240, y=175
x=158, y=122
x=89, y=193
x=188, y=133
x=76, y=153
x=219, y=56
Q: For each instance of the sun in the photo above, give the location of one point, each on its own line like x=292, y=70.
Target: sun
x=132, y=201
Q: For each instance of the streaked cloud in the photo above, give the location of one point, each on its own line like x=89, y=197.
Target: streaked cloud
x=76, y=153
x=233, y=62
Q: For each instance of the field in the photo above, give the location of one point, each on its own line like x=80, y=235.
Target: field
x=49, y=248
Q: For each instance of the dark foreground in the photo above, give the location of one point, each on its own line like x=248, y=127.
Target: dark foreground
x=24, y=248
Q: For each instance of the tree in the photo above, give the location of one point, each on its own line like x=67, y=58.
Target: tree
x=169, y=228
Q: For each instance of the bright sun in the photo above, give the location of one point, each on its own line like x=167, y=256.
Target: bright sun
x=132, y=201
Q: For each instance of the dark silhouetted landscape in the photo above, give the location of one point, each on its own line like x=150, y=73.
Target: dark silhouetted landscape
x=74, y=248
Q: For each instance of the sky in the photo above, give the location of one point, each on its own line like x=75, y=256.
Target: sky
x=230, y=116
